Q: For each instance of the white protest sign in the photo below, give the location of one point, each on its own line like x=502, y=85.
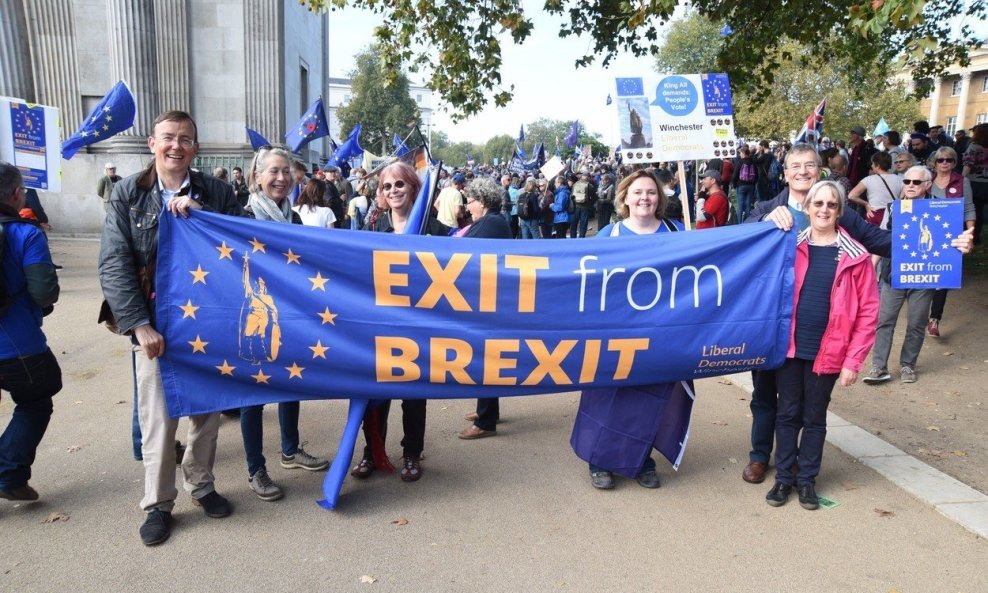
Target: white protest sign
x=552, y=167
x=679, y=117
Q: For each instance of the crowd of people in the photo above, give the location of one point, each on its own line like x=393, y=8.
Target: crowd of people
x=838, y=196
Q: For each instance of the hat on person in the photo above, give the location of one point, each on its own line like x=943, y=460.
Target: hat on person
x=332, y=169
x=109, y=166
x=711, y=173
x=960, y=133
x=919, y=136
x=459, y=178
x=860, y=131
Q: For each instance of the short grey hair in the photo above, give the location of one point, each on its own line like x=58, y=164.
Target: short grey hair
x=835, y=187
x=487, y=191
x=10, y=181
x=801, y=148
x=927, y=175
x=259, y=161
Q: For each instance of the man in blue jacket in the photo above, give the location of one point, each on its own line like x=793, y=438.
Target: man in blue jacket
x=802, y=170
x=28, y=369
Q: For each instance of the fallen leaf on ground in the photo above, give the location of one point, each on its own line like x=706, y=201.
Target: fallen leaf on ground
x=73, y=449
x=884, y=513
x=55, y=517
x=725, y=382
x=964, y=368
x=719, y=423
x=400, y=522
x=848, y=485
x=732, y=459
x=367, y=579
x=77, y=402
x=933, y=428
x=960, y=453
x=948, y=353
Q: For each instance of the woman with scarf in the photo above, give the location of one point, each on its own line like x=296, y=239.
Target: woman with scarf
x=270, y=182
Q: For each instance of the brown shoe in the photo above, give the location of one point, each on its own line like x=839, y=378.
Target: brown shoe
x=754, y=472
x=472, y=417
x=475, y=432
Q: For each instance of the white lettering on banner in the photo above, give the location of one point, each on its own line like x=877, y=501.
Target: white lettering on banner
x=608, y=273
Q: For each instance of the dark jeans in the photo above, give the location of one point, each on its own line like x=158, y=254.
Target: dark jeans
x=980, y=198
x=939, y=300
x=803, y=400
x=579, y=219
x=252, y=429
x=746, y=199
x=546, y=229
x=559, y=230
x=488, y=413
x=31, y=382
x=604, y=212
x=412, y=421
x=764, y=399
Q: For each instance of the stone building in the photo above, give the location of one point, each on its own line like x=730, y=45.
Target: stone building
x=230, y=63
x=959, y=100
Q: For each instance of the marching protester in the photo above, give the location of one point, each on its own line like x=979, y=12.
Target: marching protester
x=29, y=371
x=311, y=205
x=561, y=208
x=529, y=210
x=584, y=196
x=876, y=191
x=976, y=171
x=127, y=261
x=104, y=187
x=835, y=311
x=605, y=200
x=270, y=178
x=712, y=211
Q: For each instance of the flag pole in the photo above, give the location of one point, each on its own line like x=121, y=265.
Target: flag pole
x=683, y=198
x=432, y=194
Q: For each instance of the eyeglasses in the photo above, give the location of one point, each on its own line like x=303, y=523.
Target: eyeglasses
x=802, y=166
x=185, y=141
x=902, y=162
x=386, y=187
x=945, y=160
x=913, y=181
x=824, y=204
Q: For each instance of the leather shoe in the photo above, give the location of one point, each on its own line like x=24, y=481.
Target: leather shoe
x=754, y=472
x=648, y=479
x=808, y=498
x=24, y=492
x=602, y=480
x=475, y=432
x=779, y=494
x=156, y=527
x=214, y=505
x=471, y=417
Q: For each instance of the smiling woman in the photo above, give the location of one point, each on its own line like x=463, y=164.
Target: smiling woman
x=270, y=179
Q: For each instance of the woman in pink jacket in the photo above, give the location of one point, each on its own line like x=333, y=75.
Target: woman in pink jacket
x=835, y=312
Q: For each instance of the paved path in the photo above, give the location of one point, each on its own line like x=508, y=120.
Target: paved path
x=510, y=513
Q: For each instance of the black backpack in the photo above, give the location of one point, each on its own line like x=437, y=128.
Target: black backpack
x=6, y=299
x=523, y=205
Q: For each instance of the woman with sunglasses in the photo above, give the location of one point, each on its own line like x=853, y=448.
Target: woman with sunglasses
x=398, y=187
x=835, y=312
x=948, y=183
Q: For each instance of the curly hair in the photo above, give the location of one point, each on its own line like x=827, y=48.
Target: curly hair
x=486, y=191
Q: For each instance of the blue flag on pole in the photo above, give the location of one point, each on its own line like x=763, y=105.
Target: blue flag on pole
x=256, y=140
x=574, y=135
x=521, y=134
x=881, y=129
x=113, y=114
x=310, y=126
x=400, y=147
x=349, y=149
x=520, y=152
x=609, y=100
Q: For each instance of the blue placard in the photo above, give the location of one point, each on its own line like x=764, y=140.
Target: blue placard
x=921, y=234
x=29, y=139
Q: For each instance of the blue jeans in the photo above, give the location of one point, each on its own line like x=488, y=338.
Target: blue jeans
x=746, y=198
x=252, y=429
x=579, y=218
x=529, y=229
x=31, y=382
x=803, y=400
x=764, y=403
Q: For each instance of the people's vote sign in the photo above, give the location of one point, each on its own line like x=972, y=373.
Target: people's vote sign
x=675, y=118
x=921, y=234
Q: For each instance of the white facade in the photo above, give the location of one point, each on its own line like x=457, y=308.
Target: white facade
x=339, y=93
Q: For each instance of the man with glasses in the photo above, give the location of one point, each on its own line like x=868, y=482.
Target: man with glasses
x=127, y=262
x=28, y=369
x=916, y=186
x=786, y=210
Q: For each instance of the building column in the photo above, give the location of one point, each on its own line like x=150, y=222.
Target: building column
x=15, y=53
x=51, y=35
x=134, y=60
x=171, y=25
x=264, y=65
x=935, y=101
x=962, y=102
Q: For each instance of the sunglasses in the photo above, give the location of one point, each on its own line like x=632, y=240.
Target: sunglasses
x=947, y=160
x=824, y=204
x=913, y=181
x=386, y=187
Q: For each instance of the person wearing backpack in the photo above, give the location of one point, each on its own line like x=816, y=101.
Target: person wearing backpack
x=745, y=179
x=561, y=207
x=584, y=197
x=28, y=369
x=529, y=210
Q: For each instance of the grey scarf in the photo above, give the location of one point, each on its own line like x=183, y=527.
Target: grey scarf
x=264, y=208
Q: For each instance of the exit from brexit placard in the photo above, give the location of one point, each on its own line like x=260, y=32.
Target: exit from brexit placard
x=921, y=234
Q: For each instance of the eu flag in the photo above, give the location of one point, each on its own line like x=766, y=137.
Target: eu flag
x=112, y=115
x=256, y=140
x=630, y=87
x=574, y=135
x=349, y=149
x=521, y=134
x=312, y=125
x=400, y=148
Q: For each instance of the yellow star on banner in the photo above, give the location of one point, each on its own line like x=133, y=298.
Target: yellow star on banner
x=225, y=368
x=294, y=371
x=225, y=251
x=83, y=134
x=198, y=275
x=260, y=377
x=106, y=109
x=327, y=317
x=109, y=118
x=292, y=257
x=96, y=133
x=319, y=350
x=106, y=128
x=189, y=309
x=198, y=345
x=319, y=282
x=258, y=246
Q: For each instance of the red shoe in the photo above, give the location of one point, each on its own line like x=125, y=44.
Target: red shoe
x=933, y=328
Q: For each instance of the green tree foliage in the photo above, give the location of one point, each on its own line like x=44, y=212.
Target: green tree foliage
x=798, y=86
x=499, y=147
x=455, y=155
x=381, y=103
x=459, y=41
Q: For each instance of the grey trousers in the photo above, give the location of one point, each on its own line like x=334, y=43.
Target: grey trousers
x=158, y=447
x=917, y=315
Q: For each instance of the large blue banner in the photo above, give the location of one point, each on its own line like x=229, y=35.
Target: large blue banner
x=257, y=312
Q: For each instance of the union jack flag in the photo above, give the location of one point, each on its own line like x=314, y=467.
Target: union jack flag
x=814, y=124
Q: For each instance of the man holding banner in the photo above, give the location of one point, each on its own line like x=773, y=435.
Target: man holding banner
x=127, y=265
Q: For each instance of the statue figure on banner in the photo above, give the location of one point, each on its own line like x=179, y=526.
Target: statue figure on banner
x=925, y=237
x=637, y=125
x=258, y=315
